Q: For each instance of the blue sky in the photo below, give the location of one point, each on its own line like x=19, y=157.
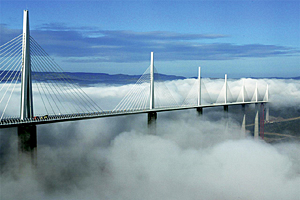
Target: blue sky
x=240, y=38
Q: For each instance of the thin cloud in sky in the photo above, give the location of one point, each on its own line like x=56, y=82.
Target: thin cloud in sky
x=87, y=44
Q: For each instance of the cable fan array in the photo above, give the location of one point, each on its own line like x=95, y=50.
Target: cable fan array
x=58, y=93
x=138, y=98
x=217, y=93
x=10, y=74
x=55, y=93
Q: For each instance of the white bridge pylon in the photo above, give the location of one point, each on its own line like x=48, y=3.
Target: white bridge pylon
x=26, y=83
x=143, y=96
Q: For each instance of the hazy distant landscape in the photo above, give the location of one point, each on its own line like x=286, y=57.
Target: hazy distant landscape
x=281, y=126
x=98, y=78
x=84, y=78
x=272, y=130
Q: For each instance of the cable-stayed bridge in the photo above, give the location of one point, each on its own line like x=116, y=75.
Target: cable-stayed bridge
x=27, y=70
x=58, y=93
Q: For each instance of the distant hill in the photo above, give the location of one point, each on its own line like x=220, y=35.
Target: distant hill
x=98, y=78
x=294, y=78
x=83, y=78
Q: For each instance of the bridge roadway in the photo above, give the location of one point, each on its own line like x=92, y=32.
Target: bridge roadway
x=15, y=122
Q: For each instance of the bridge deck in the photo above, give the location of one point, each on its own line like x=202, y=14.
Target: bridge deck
x=47, y=119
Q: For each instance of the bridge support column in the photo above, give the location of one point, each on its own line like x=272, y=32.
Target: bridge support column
x=27, y=141
x=267, y=112
x=256, y=122
x=226, y=113
x=267, y=105
x=225, y=101
x=152, y=116
x=226, y=109
x=262, y=121
x=200, y=111
x=244, y=120
x=27, y=136
x=226, y=118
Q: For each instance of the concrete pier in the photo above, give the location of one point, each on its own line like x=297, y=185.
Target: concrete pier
x=256, y=122
x=243, y=128
x=27, y=141
x=200, y=111
x=152, y=116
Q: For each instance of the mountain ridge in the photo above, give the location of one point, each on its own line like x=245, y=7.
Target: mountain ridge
x=87, y=78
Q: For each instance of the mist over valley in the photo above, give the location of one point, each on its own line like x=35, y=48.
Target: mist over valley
x=191, y=156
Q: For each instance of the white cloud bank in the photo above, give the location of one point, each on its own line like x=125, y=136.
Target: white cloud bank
x=189, y=158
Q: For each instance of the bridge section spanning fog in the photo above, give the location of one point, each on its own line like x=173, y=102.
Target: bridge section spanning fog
x=59, y=93
x=46, y=119
x=64, y=100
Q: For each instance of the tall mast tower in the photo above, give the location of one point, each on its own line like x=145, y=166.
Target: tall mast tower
x=27, y=135
x=26, y=85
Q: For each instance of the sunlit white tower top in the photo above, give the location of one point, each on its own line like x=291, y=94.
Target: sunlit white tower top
x=152, y=81
x=199, y=86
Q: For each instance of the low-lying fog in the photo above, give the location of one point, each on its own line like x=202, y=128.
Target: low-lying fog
x=190, y=157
